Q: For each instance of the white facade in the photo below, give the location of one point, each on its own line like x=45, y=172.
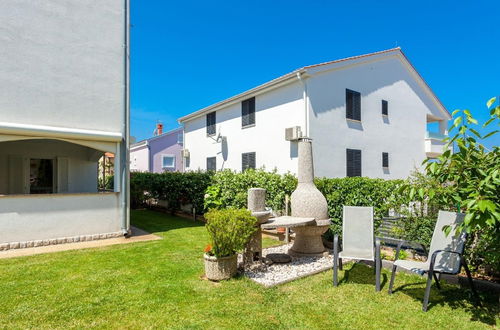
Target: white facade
x=314, y=98
x=63, y=104
x=139, y=157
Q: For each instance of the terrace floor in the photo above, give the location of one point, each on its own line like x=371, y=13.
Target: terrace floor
x=159, y=284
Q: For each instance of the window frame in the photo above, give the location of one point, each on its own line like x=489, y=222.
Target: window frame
x=163, y=156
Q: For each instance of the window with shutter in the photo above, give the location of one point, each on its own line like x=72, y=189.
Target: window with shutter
x=247, y=160
x=248, y=112
x=385, y=108
x=353, y=162
x=211, y=163
x=385, y=159
x=211, y=124
x=353, y=105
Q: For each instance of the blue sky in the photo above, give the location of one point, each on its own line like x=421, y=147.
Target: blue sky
x=189, y=54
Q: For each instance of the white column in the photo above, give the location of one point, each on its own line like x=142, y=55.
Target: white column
x=117, y=169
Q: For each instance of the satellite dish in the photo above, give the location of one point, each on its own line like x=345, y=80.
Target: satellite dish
x=219, y=138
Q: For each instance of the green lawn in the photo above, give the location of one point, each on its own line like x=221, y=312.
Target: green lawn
x=158, y=284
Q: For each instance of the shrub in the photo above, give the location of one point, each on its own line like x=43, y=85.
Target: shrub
x=229, y=230
x=358, y=191
x=174, y=187
x=229, y=188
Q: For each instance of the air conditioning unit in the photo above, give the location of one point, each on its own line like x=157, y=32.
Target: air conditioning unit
x=185, y=153
x=293, y=133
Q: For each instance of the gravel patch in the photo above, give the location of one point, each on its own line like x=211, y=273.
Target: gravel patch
x=274, y=274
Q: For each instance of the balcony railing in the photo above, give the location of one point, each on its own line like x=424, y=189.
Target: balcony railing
x=434, y=144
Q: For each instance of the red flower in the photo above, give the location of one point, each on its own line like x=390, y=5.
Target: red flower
x=208, y=248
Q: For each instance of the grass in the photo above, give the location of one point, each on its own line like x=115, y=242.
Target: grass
x=158, y=284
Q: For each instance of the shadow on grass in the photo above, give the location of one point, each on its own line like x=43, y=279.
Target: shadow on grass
x=456, y=298
x=361, y=274
x=156, y=222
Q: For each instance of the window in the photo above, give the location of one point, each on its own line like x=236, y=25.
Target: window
x=168, y=161
x=353, y=105
x=353, y=162
x=248, y=112
x=211, y=164
x=180, y=138
x=385, y=160
x=385, y=108
x=247, y=160
x=211, y=124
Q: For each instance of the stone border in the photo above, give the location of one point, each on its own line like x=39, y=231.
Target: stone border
x=56, y=241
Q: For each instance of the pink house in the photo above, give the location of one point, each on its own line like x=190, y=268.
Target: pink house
x=159, y=153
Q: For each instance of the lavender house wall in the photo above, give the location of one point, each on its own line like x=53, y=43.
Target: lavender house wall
x=158, y=146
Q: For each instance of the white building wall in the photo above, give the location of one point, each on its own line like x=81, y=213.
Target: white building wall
x=401, y=134
x=28, y=217
x=274, y=111
x=139, y=159
x=62, y=63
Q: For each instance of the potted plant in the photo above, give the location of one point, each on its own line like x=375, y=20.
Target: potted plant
x=229, y=231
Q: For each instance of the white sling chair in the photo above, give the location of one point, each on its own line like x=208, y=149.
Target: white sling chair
x=357, y=240
x=445, y=255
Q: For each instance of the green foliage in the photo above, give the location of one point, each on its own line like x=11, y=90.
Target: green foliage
x=174, y=187
x=229, y=230
x=229, y=188
x=107, y=183
x=358, y=191
x=472, y=173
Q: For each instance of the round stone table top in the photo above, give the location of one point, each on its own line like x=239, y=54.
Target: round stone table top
x=288, y=222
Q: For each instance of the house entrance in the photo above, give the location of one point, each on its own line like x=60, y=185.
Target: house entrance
x=41, y=176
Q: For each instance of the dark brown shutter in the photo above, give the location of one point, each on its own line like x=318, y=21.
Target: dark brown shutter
x=385, y=159
x=353, y=162
x=385, y=107
x=211, y=163
x=353, y=105
x=248, y=112
x=211, y=123
x=247, y=160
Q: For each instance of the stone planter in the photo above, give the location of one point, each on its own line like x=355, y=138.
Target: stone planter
x=218, y=269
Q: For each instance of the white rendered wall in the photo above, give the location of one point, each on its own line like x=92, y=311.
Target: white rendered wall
x=274, y=111
x=139, y=159
x=401, y=134
x=82, y=163
x=62, y=63
x=29, y=217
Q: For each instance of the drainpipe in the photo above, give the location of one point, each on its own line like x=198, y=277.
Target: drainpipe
x=125, y=145
x=306, y=105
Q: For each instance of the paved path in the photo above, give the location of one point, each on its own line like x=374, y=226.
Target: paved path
x=138, y=235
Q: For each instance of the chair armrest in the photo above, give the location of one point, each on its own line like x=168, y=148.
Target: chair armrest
x=408, y=243
x=434, y=256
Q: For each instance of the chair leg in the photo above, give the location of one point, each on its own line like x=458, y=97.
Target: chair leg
x=471, y=282
x=340, y=264
x=335, y=266
x=436, y=279
x=377, y=275
x=393, y=274
x=427, y=291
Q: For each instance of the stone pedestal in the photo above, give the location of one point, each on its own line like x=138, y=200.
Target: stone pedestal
x=257, y=205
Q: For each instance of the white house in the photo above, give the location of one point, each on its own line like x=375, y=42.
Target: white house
x=64, y=102
x=367, y=115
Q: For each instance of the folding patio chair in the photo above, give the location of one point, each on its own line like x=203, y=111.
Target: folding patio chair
x=445, y=255
x=357, y=240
